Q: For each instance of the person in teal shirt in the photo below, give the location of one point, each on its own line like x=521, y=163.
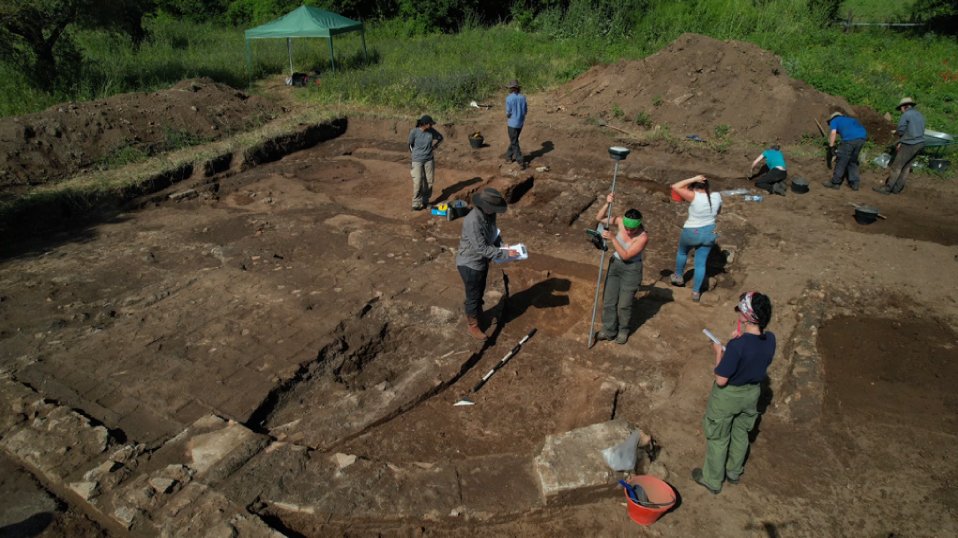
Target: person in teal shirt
x=772, y=181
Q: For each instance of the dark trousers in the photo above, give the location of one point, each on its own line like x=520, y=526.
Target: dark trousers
x=899, y=169
x=621, y=282
x=514, y=151
x=475, y=282
x=846, y=160
x=770, y=178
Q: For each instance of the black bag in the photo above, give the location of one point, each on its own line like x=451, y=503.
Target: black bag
x=300, y=80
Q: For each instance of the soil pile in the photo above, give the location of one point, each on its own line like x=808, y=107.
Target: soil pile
x=697, y=83
x=55, y=143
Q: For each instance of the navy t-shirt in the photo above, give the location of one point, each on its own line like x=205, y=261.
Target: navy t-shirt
x=746, y=359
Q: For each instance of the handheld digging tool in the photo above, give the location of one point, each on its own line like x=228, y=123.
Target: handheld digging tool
x=466, y=401
x=617, y=154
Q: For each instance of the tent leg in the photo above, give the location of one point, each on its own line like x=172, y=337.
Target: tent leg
x=332, y=59
x=249, y=68
x=289, y=47
x=365, y=54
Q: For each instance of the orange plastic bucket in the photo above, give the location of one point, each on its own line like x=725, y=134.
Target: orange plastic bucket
x=658, y=493
x=676, y=196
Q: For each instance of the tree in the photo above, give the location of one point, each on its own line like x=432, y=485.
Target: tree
x=35, y=35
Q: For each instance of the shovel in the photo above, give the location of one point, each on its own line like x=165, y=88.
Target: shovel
x=501, y=363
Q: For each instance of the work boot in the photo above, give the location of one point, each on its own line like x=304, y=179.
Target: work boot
x=523, y=165
x=779, y=188
x=732, y=478
x=853, y=186
x=700, y=480
x=882, y=190
x=677, y=280
x=831, y=185
x=473, y=329
x=603, y=336
x=622, y=339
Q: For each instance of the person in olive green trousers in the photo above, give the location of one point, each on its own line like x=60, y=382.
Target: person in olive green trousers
x=733, y=404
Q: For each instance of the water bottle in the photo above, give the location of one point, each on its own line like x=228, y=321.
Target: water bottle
x=752, y=198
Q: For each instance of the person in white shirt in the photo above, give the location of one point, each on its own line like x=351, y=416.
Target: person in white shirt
x=699, y=230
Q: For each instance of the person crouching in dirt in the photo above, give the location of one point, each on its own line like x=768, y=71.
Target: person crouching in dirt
x=516, y=109
x=772, y=181
x=625, y=271
x=423, y=168
x=911, y=129
x=853, y=138
x=732, y=408
x=698, y=232
x=478, y=246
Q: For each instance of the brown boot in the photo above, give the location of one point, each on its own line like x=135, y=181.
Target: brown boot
x=473, y=329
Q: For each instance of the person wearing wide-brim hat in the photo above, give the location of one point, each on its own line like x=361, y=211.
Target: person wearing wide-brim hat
x=911, y=130
x=479, y=245
x=516, y=108
x=423, y=167
x=853, y=137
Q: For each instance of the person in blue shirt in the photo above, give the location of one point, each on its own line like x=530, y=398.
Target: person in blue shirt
x=733, y=404
x=911, y=129
x=516, y=109
x=853, y=138
x=772, y=181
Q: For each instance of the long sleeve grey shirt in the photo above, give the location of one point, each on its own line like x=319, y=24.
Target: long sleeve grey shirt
x=911, y=127
x=420, y=143
x=479, y=243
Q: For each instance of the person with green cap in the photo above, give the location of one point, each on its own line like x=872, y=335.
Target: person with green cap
x=853, y=138
x=624, y=276
x=911, y=130
x=480, y=243
x=516, y=108
x=732, y=409
x=423, y=167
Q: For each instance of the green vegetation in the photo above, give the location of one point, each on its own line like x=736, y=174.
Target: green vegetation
x=721, y=130
x=544, y=43
x=643, y=119
x=657, y=100
x=617, y=112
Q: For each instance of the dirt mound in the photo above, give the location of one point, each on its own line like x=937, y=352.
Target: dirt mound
x=697, y=83
x=65, y=138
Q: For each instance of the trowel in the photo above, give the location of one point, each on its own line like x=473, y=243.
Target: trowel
x=466, y=401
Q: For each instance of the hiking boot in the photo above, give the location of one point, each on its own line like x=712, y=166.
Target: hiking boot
x=700, y=480
x=473, y=329
x=523, y=165
x=882, y=190
x=696, y=297
x=677, y=281
x=622, y=339
x=853, y=186
x=830, y=185
x=732, y=478
x=780, y=188
x=417, y=207
x=603, y=336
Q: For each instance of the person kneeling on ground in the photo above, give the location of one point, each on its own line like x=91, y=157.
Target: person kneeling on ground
x=772, y=181
x=732, y=408
x=625, y=271
x=423, y=167
x=911, y=129
x=853, y=138
x=699, y=230
x=478, y=246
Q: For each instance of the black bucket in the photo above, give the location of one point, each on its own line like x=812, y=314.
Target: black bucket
x=799, y=185
x=938, y=165
x=457, y=209
x=865, y=214
x=476, y=141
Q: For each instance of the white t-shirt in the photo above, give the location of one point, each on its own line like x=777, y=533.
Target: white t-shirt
x=700, y=214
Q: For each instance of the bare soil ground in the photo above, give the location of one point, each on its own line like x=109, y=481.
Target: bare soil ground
x=303, y=299
x=70, y=137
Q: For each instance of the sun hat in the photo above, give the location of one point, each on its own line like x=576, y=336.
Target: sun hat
x=514, y=83
x=905, y=101
x=835, y=115
x=490, y=200
x=425, y=120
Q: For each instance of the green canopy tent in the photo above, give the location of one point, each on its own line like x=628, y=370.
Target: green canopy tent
x=305, y=22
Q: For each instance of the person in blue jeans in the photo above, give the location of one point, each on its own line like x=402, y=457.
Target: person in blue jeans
x=516, y=108
x=853, y=138
x=698, y=233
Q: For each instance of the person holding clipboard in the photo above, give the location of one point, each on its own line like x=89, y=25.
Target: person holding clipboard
x=480, y=244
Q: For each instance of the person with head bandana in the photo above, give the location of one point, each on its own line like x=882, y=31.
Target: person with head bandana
x=625, y=271
x=732, y=408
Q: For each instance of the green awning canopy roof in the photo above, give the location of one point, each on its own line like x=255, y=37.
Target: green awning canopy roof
x=305, y=22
